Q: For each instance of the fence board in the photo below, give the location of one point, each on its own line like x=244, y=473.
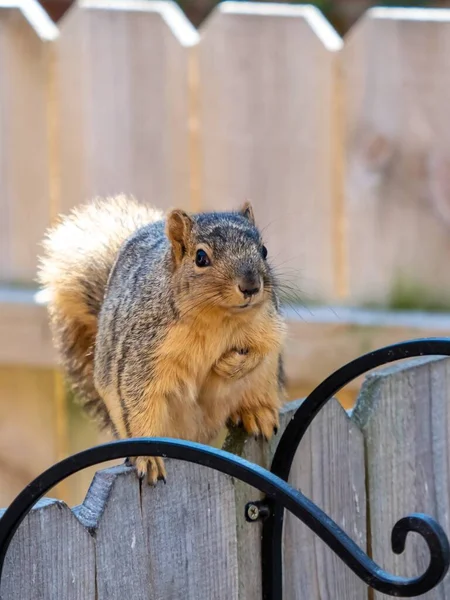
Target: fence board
x=329, y=469
x=25, y=61
x=51, y=557
x=405, y=418
x=248, y=534
x=267, y=131
x=397, y=141
x=112, y=509
x=190, y=527
x=123, y=102
x=188, y=539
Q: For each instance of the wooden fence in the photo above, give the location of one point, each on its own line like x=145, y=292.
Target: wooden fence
x=342, y=145
x=189, y=539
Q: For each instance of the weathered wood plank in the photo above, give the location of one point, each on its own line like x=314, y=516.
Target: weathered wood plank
x=248, y=534
x=329, y=469
x=404, y=414
x=26, y=34
x=397, y=91
x=190, y=528
x=268, y=131
x=112, y=511
x=51, y=557
x=123, y=102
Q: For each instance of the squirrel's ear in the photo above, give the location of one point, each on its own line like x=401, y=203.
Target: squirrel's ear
x=178, y=229
x=247, y=212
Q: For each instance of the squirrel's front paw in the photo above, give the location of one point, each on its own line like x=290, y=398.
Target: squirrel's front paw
x=258, y=421
x=149, y=467
x=236, y=363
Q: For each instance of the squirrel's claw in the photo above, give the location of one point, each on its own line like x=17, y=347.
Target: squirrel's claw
x=149, y=467
x=234, y=420
x=261, y=421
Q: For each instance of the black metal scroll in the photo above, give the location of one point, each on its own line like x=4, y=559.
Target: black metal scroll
x=360, y=563
x=279, y=494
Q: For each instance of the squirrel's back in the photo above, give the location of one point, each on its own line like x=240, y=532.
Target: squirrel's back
x=79, y=254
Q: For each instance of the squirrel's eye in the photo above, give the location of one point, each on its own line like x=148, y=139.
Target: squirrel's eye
x=202, y=259
x=264, y=252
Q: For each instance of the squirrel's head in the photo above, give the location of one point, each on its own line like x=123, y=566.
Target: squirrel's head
x=220, y=258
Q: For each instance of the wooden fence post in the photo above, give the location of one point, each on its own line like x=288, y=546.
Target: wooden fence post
x=123, y=100
x=190, y=528
x=51, y=556
x=268, y=132
x=112, y=513
x=189, y=538
x=397, y=139
x=404, y=415
x=329, y=469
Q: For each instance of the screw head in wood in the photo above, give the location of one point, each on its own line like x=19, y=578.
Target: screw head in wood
x=256, y=511
x=252, y=512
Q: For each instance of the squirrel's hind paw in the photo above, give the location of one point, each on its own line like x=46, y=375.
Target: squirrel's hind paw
x=150, y=468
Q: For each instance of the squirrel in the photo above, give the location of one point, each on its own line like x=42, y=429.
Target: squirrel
x=166, y=325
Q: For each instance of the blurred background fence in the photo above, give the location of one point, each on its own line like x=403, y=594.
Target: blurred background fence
x=343, y=146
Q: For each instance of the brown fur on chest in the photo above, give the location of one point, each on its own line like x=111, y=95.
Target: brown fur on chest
x=195, y=345
x=198, y=401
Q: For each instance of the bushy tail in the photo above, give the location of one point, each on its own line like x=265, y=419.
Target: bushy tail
x=79, y=253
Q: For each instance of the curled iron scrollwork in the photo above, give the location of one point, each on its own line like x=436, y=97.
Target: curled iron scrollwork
x=336, y=539
x=279, y=494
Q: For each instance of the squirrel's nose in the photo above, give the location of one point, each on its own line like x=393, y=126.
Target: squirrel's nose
x=249, y=286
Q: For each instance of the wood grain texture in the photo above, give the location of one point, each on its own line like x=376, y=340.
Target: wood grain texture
x=51, y=557
x=397, y=142
x=123, y=99
x=404, y=413
x=267, y=131
x=25, y=39
x=169, y=542
x=248, y=534
x=329, y=469
x=112, y=511
x=190, y=529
